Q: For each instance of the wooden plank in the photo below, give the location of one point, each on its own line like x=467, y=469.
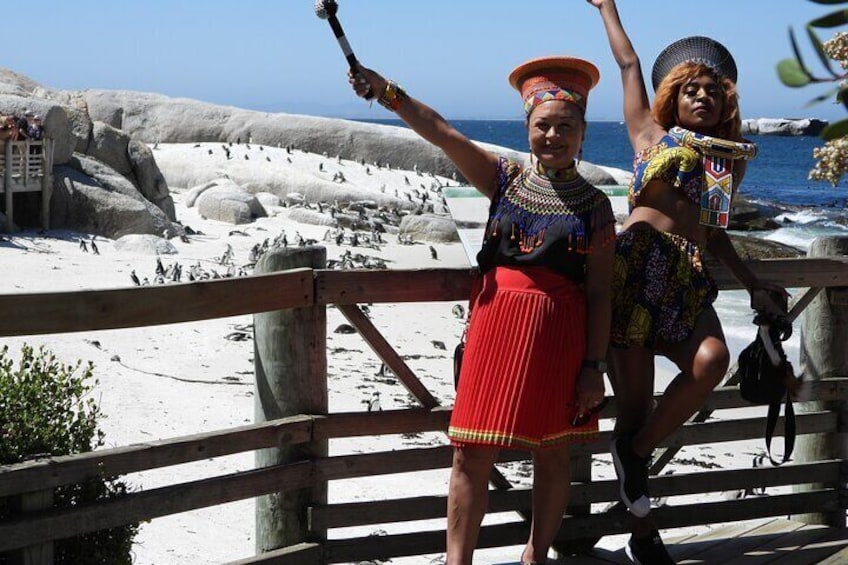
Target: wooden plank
x=424, y=285
x=298, y=429
x=780, y=547
x=388, y=355
x=433, y=507
x=174, y=499
x=800, y=302
x=838, y=558
x=300, y=554
x=725, y=543
x=60, y=312
x=40, y=554
x=55, y=471
x=422, y=542
x=409, y=420
x=749, y=428
x=824, y=543
x=790, y=273
x=408, y=285
x=154, y=503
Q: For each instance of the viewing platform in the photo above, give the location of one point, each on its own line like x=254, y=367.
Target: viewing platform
x=26, y=167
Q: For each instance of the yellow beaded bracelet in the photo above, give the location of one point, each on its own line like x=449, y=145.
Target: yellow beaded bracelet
x=392, y=97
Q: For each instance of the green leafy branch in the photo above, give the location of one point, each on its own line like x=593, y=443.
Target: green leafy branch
x=795, y=73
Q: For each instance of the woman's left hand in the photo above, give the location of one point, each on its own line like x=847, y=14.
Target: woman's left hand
x=590, y=389
x=769, y=299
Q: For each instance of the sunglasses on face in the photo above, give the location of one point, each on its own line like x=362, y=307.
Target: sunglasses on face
x=581, y=419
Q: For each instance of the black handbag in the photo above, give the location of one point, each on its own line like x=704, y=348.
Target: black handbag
x=764, y=381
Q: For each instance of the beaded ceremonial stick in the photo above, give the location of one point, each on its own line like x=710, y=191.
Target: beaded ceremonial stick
x=326, y=10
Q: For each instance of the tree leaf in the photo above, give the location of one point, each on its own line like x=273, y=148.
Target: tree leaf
x=835, y=131
x=823, y=57
x=794, y=43
x=792, y=74
x=831, y=20
x=831, y=95
x=828, y=1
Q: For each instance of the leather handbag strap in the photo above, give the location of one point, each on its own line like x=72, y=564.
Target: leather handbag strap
x=788, y=428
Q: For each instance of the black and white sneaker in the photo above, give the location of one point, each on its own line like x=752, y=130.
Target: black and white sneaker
x=648, y=551
x=632, y=472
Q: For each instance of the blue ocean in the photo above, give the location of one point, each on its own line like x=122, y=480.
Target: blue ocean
x=778, y=176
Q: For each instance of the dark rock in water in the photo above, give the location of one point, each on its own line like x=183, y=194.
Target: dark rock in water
x=754, y=248
x=751, y=216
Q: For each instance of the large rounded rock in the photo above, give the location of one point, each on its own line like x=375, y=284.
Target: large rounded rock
x=94, y=205
x=307, y=216
x=149, y=179
x=157, y=118
x=144, y=244
x=222, y=183
x=226, y=205
x=109, y=145
x=429, y=227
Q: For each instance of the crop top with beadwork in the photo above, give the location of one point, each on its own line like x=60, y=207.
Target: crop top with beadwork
x=539, y=222
x=673, y=164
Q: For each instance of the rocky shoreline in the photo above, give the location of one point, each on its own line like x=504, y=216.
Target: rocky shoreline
x=783, y=126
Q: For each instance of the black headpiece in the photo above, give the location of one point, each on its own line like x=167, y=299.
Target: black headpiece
x=694, y=49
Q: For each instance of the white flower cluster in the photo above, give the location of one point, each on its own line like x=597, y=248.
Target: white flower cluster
x=837, y=48
x=832, y=161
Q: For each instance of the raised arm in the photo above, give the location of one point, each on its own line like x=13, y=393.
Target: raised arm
x=477, y=165
x=641, y=127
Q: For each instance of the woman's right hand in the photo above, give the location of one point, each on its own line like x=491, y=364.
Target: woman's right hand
x=365, y=81
x=597, y=3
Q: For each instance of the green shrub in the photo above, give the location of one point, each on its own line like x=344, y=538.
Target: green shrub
x=46, y=410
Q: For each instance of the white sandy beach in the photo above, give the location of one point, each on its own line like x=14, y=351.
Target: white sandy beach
x=169, y=381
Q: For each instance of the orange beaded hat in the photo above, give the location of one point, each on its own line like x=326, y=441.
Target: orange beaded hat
x=554, y=78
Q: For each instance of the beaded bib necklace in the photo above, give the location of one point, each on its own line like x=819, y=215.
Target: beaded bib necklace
x=540, y=197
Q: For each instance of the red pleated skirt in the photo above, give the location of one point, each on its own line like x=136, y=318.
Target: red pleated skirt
x=526, y=343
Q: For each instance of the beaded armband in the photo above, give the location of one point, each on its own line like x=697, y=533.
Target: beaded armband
x=392, y=97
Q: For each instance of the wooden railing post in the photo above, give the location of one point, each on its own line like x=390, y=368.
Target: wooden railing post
x=41, y=554
x=7, y=180
x=46, y=181
x=290, y=360
x=824, y=354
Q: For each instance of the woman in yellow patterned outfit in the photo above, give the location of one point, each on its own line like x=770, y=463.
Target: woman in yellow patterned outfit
x=689, y=156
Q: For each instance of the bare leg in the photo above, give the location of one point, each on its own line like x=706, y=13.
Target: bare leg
x=468, y=496
x=551, y=485
x=703, y=360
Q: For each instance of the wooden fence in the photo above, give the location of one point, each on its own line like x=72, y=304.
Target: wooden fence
x=46, y=313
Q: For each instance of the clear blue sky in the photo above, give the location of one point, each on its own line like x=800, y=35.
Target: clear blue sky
x=276, y=55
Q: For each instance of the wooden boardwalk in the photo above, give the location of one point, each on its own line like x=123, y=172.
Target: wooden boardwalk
x=777, y=542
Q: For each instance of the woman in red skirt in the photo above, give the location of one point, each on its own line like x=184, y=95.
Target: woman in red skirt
x=533, y=364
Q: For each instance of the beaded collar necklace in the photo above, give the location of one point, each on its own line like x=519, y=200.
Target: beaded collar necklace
x=718, y=156
x=553, y=174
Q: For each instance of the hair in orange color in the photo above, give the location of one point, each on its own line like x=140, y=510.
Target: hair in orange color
x=664, y=110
